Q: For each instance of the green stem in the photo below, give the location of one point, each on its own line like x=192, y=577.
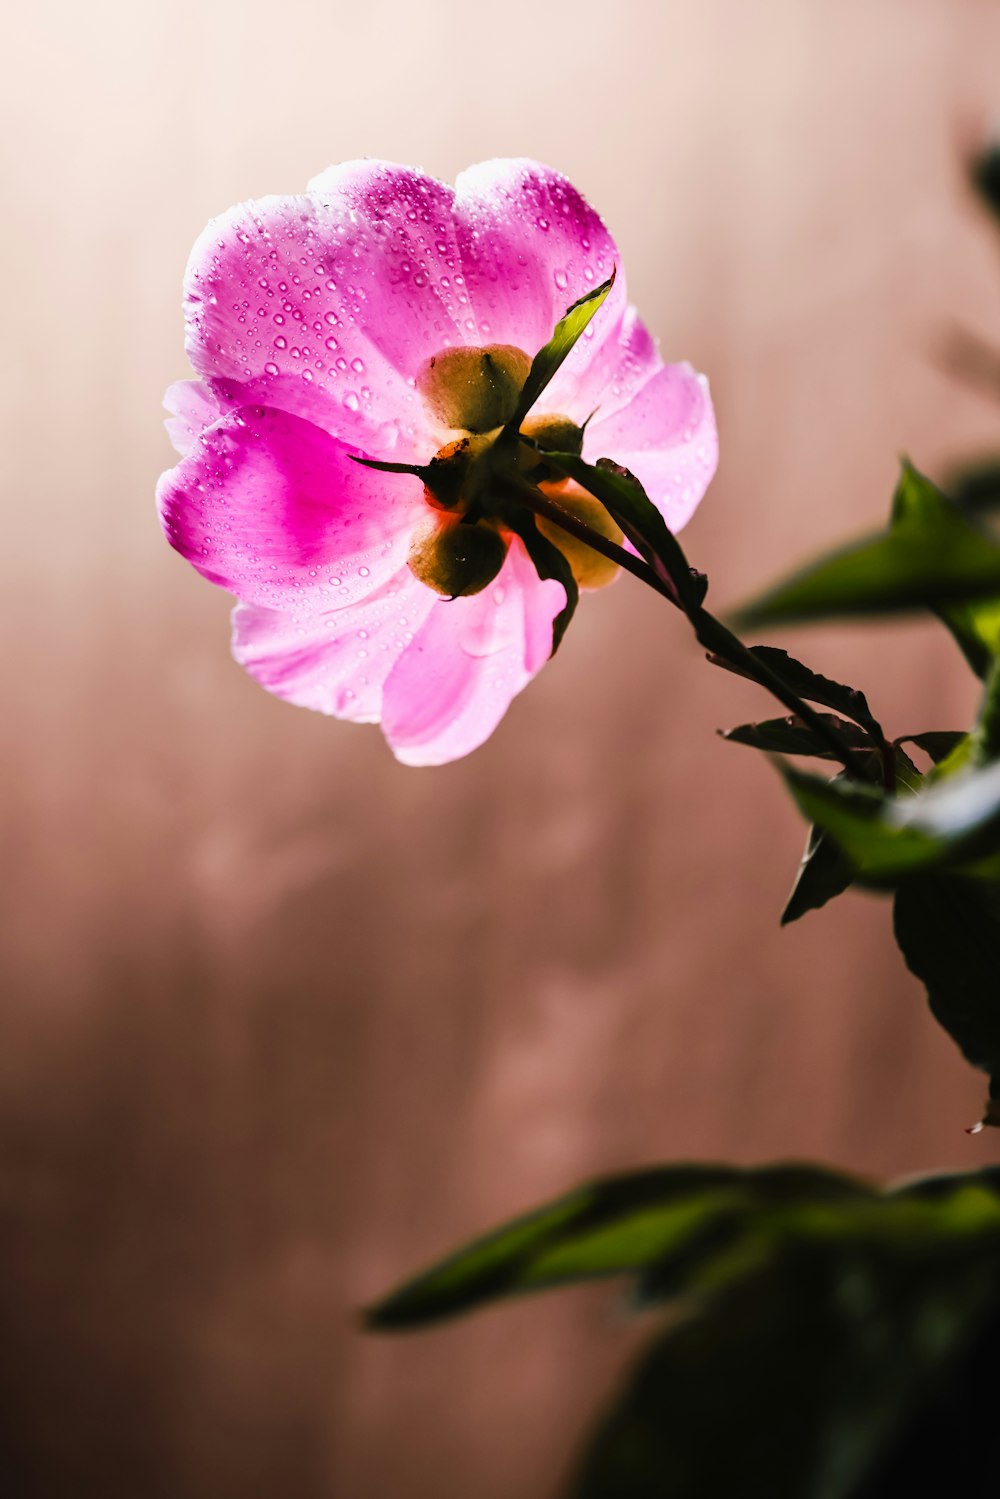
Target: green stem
x=541, y=504
x=709, y=631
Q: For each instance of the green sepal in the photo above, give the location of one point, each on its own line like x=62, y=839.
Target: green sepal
x=549, y=562
x=551, y=355
x=630, y=507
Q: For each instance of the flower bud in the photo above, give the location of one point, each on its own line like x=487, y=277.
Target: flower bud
x=454, y=558
x=474, y=389
x=556, y=434
x=590, y=569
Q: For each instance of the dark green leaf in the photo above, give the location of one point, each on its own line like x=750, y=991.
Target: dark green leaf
x=954, y=821
x=625, y=1224
x=933, y=556
x=824, y=873
x=948, y=930
x=630, y=507
x=793, y=736
x=984, y=744
x=984, y=171
x=937, y=744
x=977, y=487
x=825, y=870
x=551, y=355
x=549, y=562
x=800, y=1382
x=812, y=686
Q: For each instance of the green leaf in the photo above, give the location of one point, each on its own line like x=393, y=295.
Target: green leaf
x=812, y=1379
x=933, y=556
x=975, y=624
x=630, y=507
x=948, y=930
x=822, y=1317
x=812, y=686
x=549, y=562
x=984, y=171
x=793, y=736
x=825, y=872
x=614, y=1227
x=954, y=821
x=977, y=487
x=937, y=744
x=984, y=744
x=551, y=355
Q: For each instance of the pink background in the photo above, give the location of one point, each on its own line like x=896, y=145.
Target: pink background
x=281, y=1019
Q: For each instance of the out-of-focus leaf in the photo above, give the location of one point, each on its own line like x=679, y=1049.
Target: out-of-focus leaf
x=618, y=1226
x=953, y=822
x=812, y=686
x=948, y=930
x=977, y=487
x=820, y=1317
x=984, y=743
x=984, y=173
x=801, y=1381
x=551, y=355
x=793, y=736
x=934, y=556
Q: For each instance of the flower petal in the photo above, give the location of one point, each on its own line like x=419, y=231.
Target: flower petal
x=666, y=435
x=334, y=662
x=531, y=246
x=451, y=687
x=348, y=288
x=276, y=511
x=193, y=407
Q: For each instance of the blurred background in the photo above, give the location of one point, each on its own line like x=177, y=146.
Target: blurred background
x=281, y=1019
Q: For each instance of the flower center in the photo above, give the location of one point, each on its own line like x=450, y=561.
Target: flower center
x=473, y=481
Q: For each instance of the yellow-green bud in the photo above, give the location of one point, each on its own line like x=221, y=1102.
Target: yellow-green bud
x=555, y=433
x=590, y=569
x=456, y=559
x=474, y=389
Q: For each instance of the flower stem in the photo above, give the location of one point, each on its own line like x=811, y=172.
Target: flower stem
x=710, y=632
x=541, y=504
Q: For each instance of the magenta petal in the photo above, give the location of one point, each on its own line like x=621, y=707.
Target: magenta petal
x=666, y=435
x=335, y=662
x=276, y=511
x=348, y=289
x=531, y=245
x=451, y=687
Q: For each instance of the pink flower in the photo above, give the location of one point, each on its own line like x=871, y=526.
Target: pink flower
x=324, y=327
